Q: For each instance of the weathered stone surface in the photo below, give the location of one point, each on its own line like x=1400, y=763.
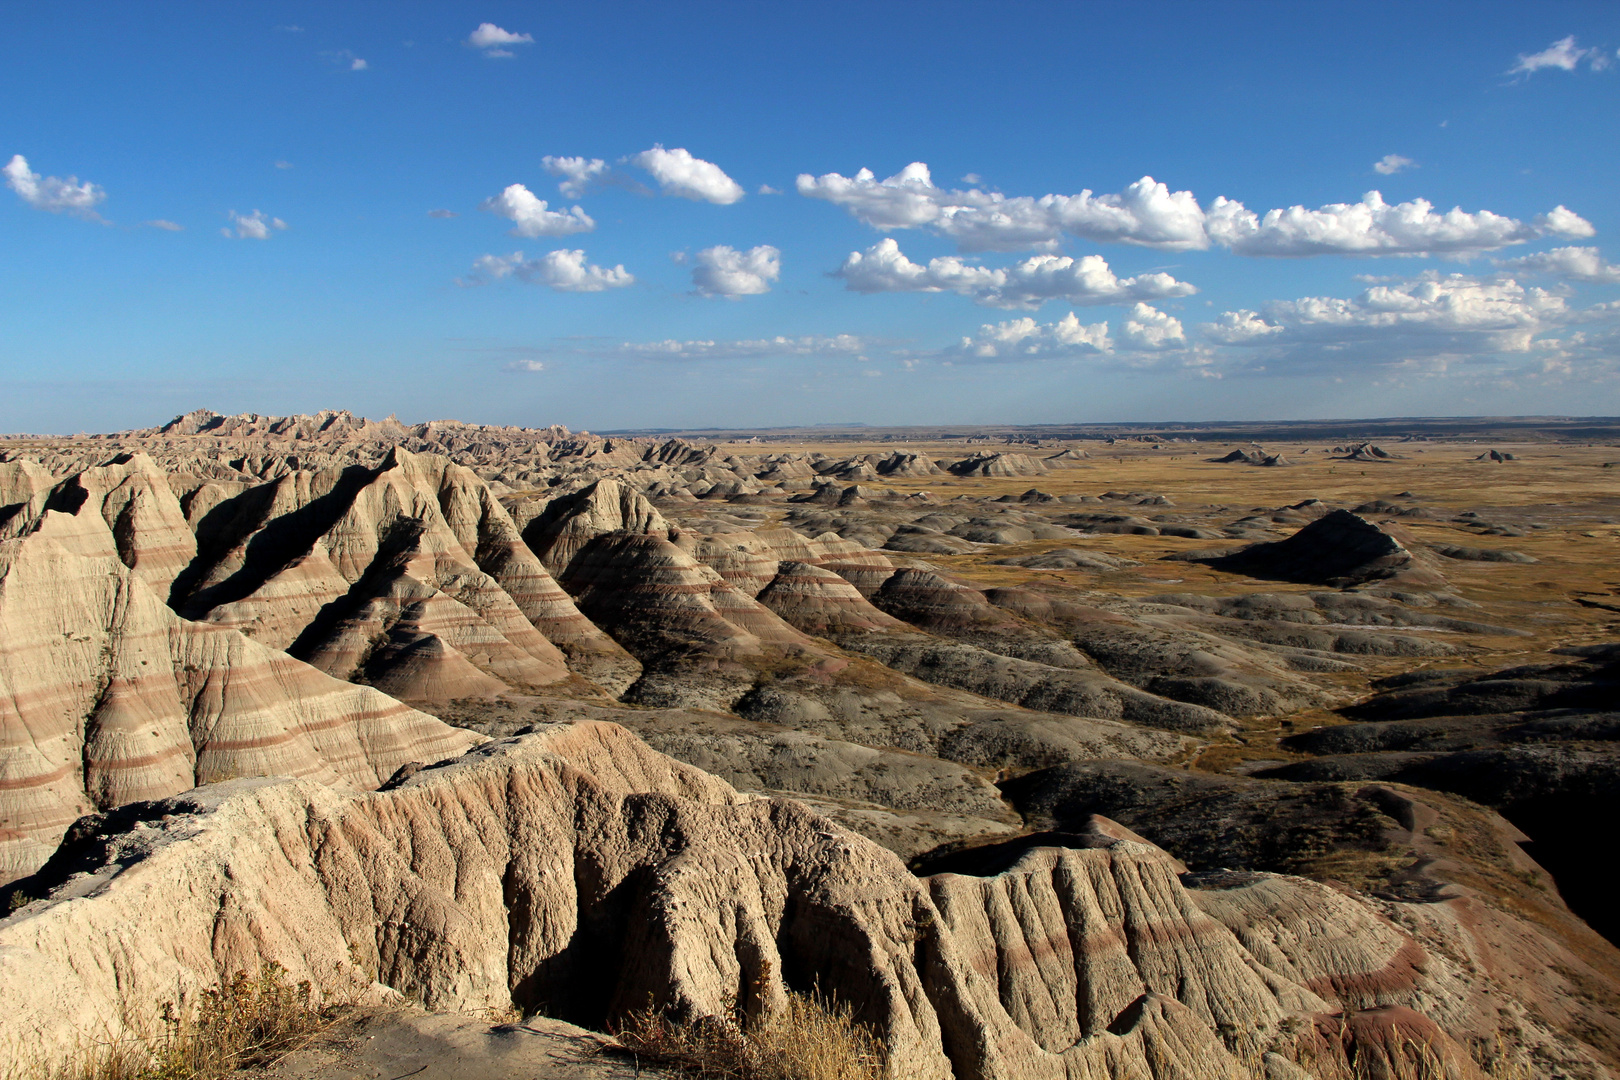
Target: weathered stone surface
x=576, y=872
x=107, y=696
x=821, y=602
x=377, y=574
x=570, y=523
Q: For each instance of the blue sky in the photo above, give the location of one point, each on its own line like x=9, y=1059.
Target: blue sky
x=738, y=269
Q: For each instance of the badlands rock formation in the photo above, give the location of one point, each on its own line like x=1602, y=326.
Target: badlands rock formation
x=864, y=671
x=1536, y=742
x=107, y=696
x=574, y=872
x=1338, y=549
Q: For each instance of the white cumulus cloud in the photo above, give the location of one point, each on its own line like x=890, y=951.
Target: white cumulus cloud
x=1563, y=222
x=1374, y=227
x=1148, y=213
x=563, y=270
x=530, y=216
x=724, y=271
x=52, y=193
x=1563, y=54
x=577, y=173
x=254, y=226
x=1570, y=263
x=1026, y=339
x=1431, y=325
x=1238, y=327
x=1150, y=329
x=883, y=267
x=1455, y=302
x=1390, y=164
x=1423, y=324
x=493, y=40
x=679, y=173
x=526, y=365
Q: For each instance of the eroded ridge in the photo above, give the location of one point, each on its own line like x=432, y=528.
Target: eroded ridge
x=575, y=872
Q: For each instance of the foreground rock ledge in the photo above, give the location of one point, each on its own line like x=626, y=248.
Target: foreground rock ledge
x=577, y=873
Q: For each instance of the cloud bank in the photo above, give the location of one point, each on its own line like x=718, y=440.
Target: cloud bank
x=1026, y=339
x=883, y=267
x=835, y=345
x=1149, y=214
x=1570, y=263
x=1424, y=323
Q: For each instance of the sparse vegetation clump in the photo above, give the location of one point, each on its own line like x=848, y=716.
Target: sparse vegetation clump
x=251, y=1019
x=810, y=1038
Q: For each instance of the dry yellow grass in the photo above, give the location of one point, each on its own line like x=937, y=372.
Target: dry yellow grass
x=809, y=1038
x=250, y=1020
x=1560, y=600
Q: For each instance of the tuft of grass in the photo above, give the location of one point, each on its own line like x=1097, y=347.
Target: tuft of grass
x=248, y=1020
x=1412, y=1059
x=810, y=1038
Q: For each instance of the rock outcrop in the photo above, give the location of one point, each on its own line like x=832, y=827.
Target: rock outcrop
x=998, y=465
x=107, y=696
x=373, y=574
x=575, y=872
x=1450, y=876
x=569, y=523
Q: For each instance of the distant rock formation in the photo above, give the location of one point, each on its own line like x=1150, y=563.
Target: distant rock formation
x=1065, y=458
x=1340, y=549
x=1251, y=457
x=997, y=465
x=907, y=464
x=1363, y=452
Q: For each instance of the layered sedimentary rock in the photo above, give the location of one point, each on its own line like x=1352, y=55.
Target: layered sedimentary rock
x=569, y=523
x=377, y=574
x=997, y=465
x=1451, y=876
x=130, y=495
x=573, y=871
x=24, y=487
x=821, y=602
x=107, y=696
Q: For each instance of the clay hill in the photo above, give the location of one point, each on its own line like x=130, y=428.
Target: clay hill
x=1087, y=778
x=1340, y=549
